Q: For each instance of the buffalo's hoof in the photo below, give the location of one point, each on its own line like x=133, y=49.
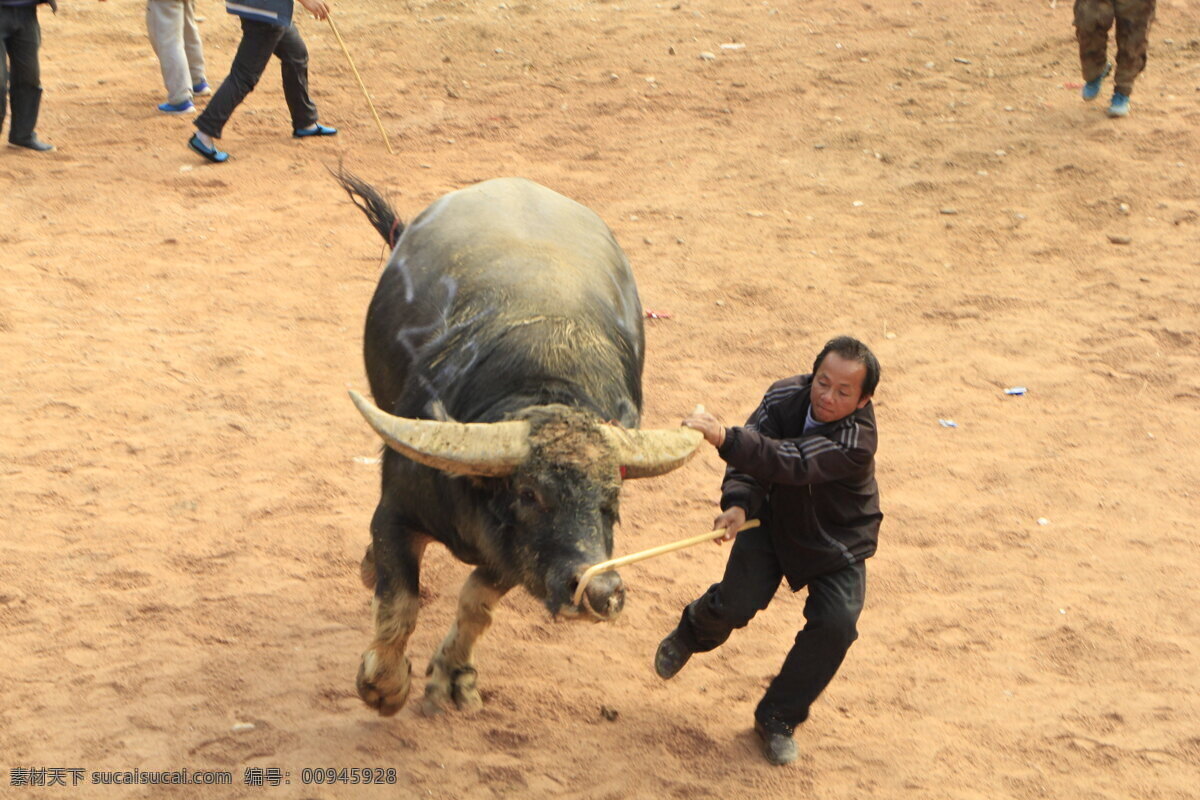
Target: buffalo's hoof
x=449, y=691
x=382, y=685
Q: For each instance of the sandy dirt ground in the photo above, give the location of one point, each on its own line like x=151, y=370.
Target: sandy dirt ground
x=185, y=487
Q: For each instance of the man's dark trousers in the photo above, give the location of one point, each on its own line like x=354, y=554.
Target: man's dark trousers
x=261, y=40
x=831, y=613
x=21, y=36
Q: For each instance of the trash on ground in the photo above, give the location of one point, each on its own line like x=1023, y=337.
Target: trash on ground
x=947, y=423
x=1017, y=390
x=651, y=314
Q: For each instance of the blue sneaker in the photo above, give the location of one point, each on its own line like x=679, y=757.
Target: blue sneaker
x=211, y=153
x=202, y=89
x=1092, y=87
x=1119, y=107
x=177, y=108
x=316, y=129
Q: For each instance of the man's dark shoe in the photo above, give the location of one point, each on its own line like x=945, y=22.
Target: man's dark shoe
x=671, y=656
x=32, y=143
x=779, y=748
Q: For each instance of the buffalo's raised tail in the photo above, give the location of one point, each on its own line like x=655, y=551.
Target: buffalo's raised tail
x=378, y=210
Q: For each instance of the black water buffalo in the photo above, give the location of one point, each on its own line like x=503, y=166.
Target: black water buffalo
x=504, y=350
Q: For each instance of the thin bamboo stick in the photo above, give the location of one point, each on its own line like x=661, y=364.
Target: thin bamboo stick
x=361, y=85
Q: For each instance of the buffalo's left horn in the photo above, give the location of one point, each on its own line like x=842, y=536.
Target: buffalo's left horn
x=487, y=449
x=646, y=453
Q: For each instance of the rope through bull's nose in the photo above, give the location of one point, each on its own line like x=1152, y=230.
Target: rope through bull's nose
x=614, y=563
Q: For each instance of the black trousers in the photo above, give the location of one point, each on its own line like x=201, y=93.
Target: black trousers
x=261, y=40
x=20, y=75
x=831, y=613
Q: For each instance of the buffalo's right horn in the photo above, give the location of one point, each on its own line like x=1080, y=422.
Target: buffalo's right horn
x=646, y=453
x=486, y=449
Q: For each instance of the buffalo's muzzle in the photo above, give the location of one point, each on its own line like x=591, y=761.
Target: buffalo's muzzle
x=604, y=596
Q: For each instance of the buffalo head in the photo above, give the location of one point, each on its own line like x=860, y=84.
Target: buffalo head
x=552, y=477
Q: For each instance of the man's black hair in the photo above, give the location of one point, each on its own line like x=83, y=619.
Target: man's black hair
x=852, y=349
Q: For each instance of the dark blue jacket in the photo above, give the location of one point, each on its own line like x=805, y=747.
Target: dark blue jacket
x=274, y=12
x=816, y=493
x=16, y=3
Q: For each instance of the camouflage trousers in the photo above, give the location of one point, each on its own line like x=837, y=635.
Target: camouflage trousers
x=1094, y=18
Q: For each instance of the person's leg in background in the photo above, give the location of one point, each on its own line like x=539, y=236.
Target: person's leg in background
x=194, y=50
x=164, y=26
x=1093, y=19
x=1133, y=44
x=23, y=37
x=293, y=65
x=254, y=51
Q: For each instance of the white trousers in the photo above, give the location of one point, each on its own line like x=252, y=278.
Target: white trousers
x=176, y=41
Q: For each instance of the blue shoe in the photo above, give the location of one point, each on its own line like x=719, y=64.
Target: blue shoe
x=202, y=89
x=315, y=130
x=177, y=108
x=32, y=142
x=1092, y=87
x=1119, y=107
x=211, y=153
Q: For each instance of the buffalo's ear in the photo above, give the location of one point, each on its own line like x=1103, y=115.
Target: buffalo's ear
x=499, y=497
x=628, y=416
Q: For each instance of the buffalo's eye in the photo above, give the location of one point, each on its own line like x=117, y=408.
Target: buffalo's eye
x=528, y=497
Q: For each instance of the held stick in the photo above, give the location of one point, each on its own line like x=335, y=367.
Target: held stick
x=361, y=85
x=614, y=563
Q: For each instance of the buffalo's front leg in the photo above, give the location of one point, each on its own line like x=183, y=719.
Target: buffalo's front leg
x=394, y=558
x=451, y=672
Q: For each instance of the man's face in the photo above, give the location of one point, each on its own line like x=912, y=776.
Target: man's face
x=837, y=388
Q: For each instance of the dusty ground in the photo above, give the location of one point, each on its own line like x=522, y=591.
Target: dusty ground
x=182, y=480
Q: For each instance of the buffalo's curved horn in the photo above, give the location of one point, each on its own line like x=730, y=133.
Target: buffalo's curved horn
x=644, y=454
x=487, y=449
